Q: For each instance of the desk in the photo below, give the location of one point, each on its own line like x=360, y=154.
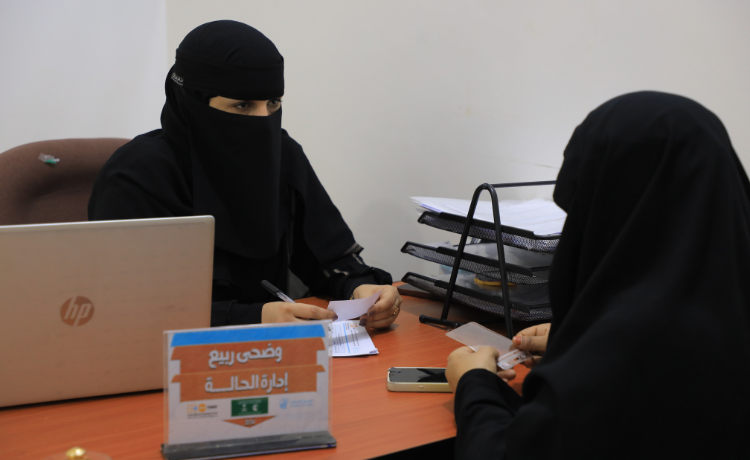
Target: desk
x=368, y=420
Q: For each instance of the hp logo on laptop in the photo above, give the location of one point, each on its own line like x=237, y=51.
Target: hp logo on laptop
x=77, y=311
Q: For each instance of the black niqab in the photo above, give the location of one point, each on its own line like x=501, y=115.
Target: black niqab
x=242, y=167
x=649, y=351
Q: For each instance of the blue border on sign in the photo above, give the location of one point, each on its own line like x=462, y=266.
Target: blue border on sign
x=181, y=339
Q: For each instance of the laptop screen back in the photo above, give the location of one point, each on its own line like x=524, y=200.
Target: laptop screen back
x=83, y=305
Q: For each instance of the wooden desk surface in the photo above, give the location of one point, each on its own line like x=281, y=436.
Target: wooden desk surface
x=368, y=420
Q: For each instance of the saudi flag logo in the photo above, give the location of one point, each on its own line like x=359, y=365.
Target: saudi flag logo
x=254, y=406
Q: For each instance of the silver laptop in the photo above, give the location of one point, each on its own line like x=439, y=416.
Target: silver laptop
x=83, y=305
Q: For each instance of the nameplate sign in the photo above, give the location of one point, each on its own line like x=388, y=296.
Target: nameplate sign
x=249, y=389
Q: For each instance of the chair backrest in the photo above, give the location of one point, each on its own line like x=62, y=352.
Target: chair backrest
x=34, y=192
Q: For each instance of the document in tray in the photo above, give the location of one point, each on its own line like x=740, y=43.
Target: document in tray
x=350, y=309
x=348, y=338
x=539, y=216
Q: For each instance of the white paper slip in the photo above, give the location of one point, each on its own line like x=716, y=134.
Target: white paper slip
x=348, y=338
x=475, y=337
x=349, y=309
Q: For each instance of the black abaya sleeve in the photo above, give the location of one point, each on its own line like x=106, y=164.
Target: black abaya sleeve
x=337, y=278
x=484, y=408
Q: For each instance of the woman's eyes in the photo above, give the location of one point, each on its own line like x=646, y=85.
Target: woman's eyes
x=244, y=106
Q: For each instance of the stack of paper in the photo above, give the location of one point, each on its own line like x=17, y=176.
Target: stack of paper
x=539, y=216
x=348, y=338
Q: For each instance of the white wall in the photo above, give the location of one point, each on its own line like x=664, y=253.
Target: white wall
x=80, y=68
x=394, y=98
x=390, y=98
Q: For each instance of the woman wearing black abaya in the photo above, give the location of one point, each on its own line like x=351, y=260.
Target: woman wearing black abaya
x=649, y=348
x=222, y=152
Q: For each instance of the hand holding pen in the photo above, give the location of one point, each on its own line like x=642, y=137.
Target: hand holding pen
x=289, y=311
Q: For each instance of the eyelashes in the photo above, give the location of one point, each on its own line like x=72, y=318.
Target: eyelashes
x=273, y=104
x=249, y=107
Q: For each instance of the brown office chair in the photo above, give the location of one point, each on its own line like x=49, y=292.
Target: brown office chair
x=33, y=192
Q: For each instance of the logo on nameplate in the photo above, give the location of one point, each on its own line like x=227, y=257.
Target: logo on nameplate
x=253, y=406
x=77, y=311
x=202, y=410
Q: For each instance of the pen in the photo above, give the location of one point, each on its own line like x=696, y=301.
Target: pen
x=276, y=291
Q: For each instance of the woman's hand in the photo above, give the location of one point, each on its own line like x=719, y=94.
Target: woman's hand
x=463, y=359
x=533, y=339
x=385, y=310
x=283, y=312
x=506, y=374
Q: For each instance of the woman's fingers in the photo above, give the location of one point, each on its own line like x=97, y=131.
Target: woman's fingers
x=378, y=323
x=385, y=310
x=384, y=305
x=286, y=312
x=507, y=374
x=460, y=351
x=538, y=344
x=305, y=311
x=539, y=329
x=531, y=362
x=491, y=351
x=533, y=338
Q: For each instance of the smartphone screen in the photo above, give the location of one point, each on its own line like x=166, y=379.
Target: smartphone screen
x=417, y=375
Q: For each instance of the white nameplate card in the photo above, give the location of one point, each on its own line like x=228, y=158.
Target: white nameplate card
x=249, y=389
x=475, y=337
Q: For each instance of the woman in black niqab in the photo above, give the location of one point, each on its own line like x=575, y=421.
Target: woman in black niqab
x=272, y=214
x=649, y=348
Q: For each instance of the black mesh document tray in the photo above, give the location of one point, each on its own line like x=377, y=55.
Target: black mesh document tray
x=523, y=267
x=528, y=302
x=516, y=237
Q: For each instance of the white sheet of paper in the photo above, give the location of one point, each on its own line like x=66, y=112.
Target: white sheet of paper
x=348, y=338
x=349, y=309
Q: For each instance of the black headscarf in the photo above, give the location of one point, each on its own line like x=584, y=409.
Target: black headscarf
x=649, y=352
x=245, y=170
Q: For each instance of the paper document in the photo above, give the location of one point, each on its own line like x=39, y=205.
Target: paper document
x=539, y=216
x=475, y=337
x=348, y=338
x=349, y=309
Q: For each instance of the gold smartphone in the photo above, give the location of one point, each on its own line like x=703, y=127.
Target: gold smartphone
x=418, y=379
